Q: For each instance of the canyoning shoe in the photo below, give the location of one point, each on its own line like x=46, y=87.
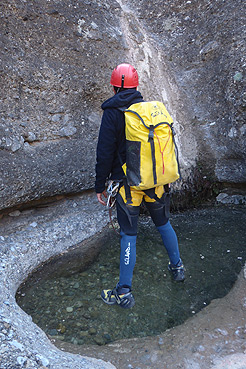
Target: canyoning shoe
x=112, y=297
x=177, y=271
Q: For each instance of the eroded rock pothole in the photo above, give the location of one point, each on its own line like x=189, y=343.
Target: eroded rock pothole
x=65, y=301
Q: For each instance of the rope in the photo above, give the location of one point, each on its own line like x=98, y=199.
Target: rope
x=162, y=151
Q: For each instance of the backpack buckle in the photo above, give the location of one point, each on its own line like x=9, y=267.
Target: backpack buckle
x=151, y=133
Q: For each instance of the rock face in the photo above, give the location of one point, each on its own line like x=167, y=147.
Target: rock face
x=56, y=63
x=22, y=343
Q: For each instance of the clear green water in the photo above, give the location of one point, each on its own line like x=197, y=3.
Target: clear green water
x=213, y=248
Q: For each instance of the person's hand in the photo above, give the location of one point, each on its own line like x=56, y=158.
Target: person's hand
x=100, y=197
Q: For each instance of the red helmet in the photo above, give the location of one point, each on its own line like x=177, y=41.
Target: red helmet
x=125, y=76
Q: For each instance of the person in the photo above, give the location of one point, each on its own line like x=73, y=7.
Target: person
x=111, y=153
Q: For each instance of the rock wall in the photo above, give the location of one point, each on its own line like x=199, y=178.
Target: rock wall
x=56, y=62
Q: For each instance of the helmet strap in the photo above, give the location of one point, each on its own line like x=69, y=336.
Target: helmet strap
x=122, y=80
x=116, y=89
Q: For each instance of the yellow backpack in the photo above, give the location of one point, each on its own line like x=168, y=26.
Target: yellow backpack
x=150, y=146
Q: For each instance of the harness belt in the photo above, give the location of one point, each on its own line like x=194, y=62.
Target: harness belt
x=165, y=199
x=123, y=206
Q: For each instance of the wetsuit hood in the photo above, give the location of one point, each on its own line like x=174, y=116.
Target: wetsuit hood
x=123, y=98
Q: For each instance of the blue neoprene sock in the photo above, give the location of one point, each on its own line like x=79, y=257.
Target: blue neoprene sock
x=170, y=241
x=127, y=258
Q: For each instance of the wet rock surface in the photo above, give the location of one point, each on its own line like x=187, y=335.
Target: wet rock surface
x=26, y=240
x=56, y=62
x=214, y=337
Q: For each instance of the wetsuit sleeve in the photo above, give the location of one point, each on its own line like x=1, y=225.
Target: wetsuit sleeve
x=106, y=148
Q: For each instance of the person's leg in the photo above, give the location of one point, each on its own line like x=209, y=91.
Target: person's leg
x=127, y=216
x=167, y=232
x=127, y=259
x=168, y=236
x=170, y=242
x=127, y=219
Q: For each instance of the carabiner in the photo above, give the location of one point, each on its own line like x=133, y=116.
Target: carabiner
x=112, y=191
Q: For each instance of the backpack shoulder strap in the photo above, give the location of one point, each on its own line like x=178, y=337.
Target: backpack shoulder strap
x=127, y=110
x=122, y=108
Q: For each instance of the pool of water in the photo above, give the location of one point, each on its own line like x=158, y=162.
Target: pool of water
x=69, y=307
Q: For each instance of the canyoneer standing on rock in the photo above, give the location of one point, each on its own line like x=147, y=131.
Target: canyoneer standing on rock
x=119, y=158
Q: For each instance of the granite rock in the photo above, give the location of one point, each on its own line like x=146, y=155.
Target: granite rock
x=56, y=62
